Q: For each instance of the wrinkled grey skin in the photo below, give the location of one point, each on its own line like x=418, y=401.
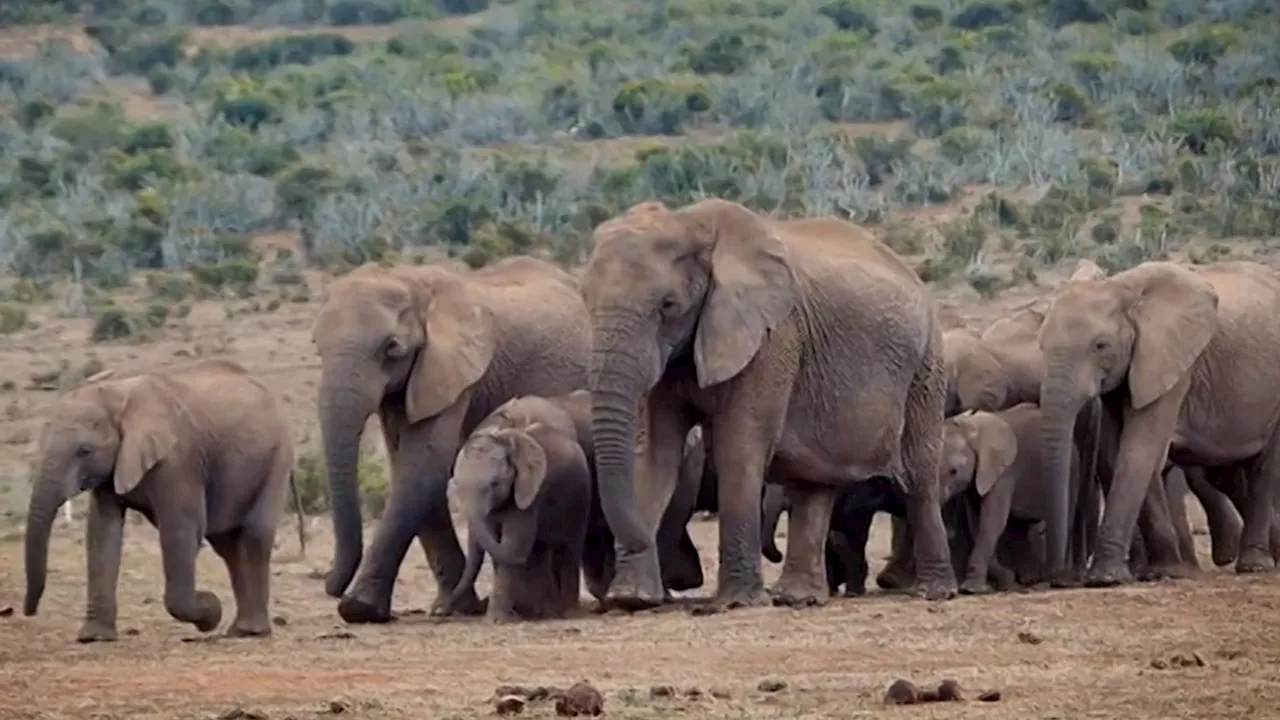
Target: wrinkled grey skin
x=524, y=486
x=1183, y=360
x=202, y=451
x=432, y=350
x=760, y=329
x=996, y=458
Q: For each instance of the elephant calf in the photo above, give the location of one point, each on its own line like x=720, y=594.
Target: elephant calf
x=201, y=451
x=525, y=489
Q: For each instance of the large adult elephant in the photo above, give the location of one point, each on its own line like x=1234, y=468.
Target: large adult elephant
x=809, y=351
x=1183, y=360
x=433, y=350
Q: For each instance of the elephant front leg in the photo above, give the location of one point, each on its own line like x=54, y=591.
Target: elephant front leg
x=852, y=552
x=804, y=579
x=1225, y=523
x=992, y=520
x=104, y=541
x=502, y=598
x=741, y=455
x=1144, y=444
x=180, y=536
x=253, y=588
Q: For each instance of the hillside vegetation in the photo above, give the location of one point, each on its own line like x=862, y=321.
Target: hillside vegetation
x=156, y=153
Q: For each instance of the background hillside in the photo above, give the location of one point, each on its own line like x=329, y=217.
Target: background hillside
x=181, y=179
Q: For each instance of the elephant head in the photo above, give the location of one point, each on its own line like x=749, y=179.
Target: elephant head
x=498, y=473
x=976, y=379
x=112, y=431
x=416, y=335
x=977, y=449
x=1141, y=331
x=705, y=284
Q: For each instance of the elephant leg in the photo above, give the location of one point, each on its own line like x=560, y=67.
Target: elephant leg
x=803, y=581
x=740, y=449
x=181, y=532
x=921, y=457
x=992, y=519
x=1139, y=558
x=679, y=560
x=253, y=596
x=1144, y=444
x=104, y=541
x=568, y=569
x=1255, y=539
x=503, y=595
x=1175, y=488
x=852, y=553
x=900, y=572
x=597, y=563
x=1225, y=523
x=1159, y=532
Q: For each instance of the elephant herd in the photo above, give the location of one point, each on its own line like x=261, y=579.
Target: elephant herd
x=707, y=357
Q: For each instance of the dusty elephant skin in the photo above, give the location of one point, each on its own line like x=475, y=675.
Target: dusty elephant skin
x=1183, y=360
x=787, y=340
x=432, y=350
x=525, y=489
x=201, y=451
x=1004, y=366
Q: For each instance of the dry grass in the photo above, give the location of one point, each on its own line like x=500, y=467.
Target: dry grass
x=1094, y=657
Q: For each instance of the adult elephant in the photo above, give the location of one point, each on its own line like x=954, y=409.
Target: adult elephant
x=1183, y=361
x=433, y=350
x=810, y=352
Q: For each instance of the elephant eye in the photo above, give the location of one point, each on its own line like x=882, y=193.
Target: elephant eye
x=83, y=450
x=669, y=305
x=1100, y=345
x=393, y=348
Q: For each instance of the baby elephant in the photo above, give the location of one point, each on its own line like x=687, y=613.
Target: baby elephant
x=995, y=457
x=525, y=488
x=201, y=451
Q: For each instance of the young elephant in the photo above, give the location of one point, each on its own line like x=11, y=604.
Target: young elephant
x=525, y=488
x=201, y=451
x=995, y=458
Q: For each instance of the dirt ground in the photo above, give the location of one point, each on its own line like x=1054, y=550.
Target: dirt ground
x=1051, y=654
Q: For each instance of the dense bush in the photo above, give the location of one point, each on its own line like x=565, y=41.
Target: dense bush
x=508, y=133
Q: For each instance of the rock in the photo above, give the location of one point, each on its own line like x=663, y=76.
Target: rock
x=509, y=705
x=1159, y=664
x=1029, y=638
x=902, y=692
x=279, y=621
x=990, y=696
x=661, y=691
x=693, y=693
x=771, y=685
x=949, y=691
x=580, y=699
x=131, y=632
x=6, y=611
x=338, y=707
x=242, y=714
x=336, y=635
x=720, y=693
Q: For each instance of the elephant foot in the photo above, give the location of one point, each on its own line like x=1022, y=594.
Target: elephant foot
x=241, y=628
x=1108, y=574
x=1171, y=571
x=469, y=605
x=91, y=632
x=355, y=610
x=1067, y=580
x=1002, y=579
x=974, y=586
x=206, y=615
x=637, y=584
x=736, y=598
x=1224, y=550
x=1255, y=560
x=937, y=590
x=855, y=589
x=894, y=577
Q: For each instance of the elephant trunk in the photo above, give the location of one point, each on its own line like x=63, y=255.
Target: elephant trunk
x=475, y=558
x=1060, y=404
x=343, y=412
x=775, y=497
x=617, y=384
x=47, y=496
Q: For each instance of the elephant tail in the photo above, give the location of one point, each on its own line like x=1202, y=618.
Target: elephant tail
x=302, y=517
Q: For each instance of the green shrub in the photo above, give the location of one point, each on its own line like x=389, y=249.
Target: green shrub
x=290, y=50
x=113, y=324
x=13, y=318
x=169, y=286
x=237, y=274
x=660, y=105
x=850, y=15
x=1205, y=46
x=1202, y=126
x=977, y=15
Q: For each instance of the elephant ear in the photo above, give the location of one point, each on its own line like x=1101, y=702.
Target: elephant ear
x=530, y=462
x=460, y=343
x=146, y=432
x=1087, y=269
x=1175, y=315
x=752, y=289
x=996, y=446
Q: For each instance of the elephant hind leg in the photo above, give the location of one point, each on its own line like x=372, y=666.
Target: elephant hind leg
x=253, y=590
x=1255, y=539
x=804, y=579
